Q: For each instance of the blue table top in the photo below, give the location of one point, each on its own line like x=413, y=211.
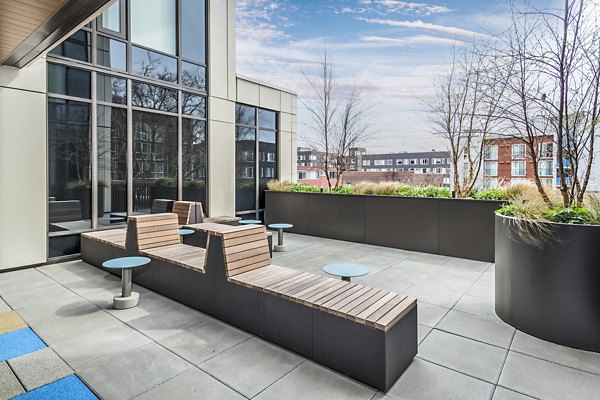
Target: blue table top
x=281, y=226
x=126, y=262
x=345, y=270
x=186, y=231
x=250, y=221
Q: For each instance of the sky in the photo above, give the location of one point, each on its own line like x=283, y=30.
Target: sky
x=393, y=50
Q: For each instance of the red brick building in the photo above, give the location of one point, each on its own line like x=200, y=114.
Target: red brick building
x=508, y=161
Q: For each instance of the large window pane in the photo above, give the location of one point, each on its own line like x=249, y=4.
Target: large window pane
x=193, y=75
x=77, y=46
x=152, y=96
x=245, y=115
x=267, y=162
x=193, y=41
x=193, y=105
x=68, y=81
x=111, y=89
x=154, y=159
x=267, y=119
x=69, y=166
x=245, y=165
x=111, y=18
x=194, y=160
x=112, y=165
x=111, y=53
x=153, y=24
x=153, y=65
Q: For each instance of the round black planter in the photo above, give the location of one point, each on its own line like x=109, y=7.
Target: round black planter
x=548, y=285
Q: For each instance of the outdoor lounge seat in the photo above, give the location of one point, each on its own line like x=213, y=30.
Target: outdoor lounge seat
x=99, y=246
x=369, y=334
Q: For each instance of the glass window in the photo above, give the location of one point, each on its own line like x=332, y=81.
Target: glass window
x=366, y=162
x=389, y=162
x=245, y=115
x=152, y=96
x=112, y=165
x=491, y=169
x=267, y=119
x=545, y=167
x=153, y=65
x=111, y=89
x=518, y=168
x=154, y=159
x=111, y=53
x=193, y=75
x=424, y=160
x=194, y=160
x=491, y=152
x=111, y=18
x=267, y=149
x=68, y=81
x=490, y=183
x=546, y=181
x=546, y=150
x=77, y=47
x=193, y=30
x=69, y=166
x=193, y=105
x=245, y=147
x=153, y=24
x=518, y=151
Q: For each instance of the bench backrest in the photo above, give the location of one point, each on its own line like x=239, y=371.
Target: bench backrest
x=188, y=212
x=244, y=249
x=64, y=211
x=154, y=230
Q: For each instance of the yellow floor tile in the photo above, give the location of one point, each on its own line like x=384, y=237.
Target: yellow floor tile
x=10, y=321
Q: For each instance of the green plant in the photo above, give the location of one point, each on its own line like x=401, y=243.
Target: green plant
x=344, y=189
x=84, y=184
x=193, y=184
x=490, y=194
x=593, y=206
x=280, y=186
x=165, y=182
x=569, y=215
x=304, y=189
x=433, y=191
x=405, y=191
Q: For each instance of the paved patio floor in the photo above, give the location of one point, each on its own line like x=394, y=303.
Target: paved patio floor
x=162, y=349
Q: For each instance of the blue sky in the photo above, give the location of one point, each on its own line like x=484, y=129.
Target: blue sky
x=392, y=49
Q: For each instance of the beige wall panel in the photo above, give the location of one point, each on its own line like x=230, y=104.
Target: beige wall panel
x=231, y=62
x=286, y=102
x=221, y=168
x=294, y=157
x=248, y=92
x=23, y=198
x=294, y=123
x=31, y=78
x=285, y=122
x=286, y=159
x=221, y=110
x=294, y=104
x=217, y=48
x=270, y=98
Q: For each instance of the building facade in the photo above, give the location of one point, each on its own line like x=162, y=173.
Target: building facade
x=123, y=103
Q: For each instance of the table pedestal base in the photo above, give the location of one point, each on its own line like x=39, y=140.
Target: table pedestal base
x=280, y=247
x=122, y=303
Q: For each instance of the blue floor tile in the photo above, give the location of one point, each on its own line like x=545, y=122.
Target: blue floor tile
x=16, y=343
x=68, y=388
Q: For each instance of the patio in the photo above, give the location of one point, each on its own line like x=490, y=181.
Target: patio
x=163, y=349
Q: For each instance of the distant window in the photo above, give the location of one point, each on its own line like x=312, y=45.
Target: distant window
x=437, y=160
x=413, y=161
x=366, y=162
x=518, y=168
x=490, y=183
x=312, y=157
x=491, y=168
x=518, y=151
x=379, y=162
x=545, y=168
x=514, y=181
x=491, y=152
x=389, y=162
x=546, y=150
x=399, y=162
x=546, y=181
x=424, y=160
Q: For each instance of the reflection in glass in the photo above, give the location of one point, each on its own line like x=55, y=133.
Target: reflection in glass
x=152, y=96
x=193, y=30
x=153, y=24
x=68, y=81
x=193, y=105
x=194, y=160
x=112, y=165
x=193, y=75
x=267, y=119
x=111, y=53
x=154, y=159
x=267, y=162
x=77, y=47
x=245, y=163
x=111, y=89
x=153, y=65
x=245, y=115
x=69, y=166
x=111, y=18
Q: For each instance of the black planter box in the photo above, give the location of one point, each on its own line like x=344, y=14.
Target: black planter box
x=548, y=285
x=452, y=227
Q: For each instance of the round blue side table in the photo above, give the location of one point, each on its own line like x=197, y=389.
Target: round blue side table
x=250, y=221
x=127, y=299
x=345, y=270
x=280, y=227
x=184, y=232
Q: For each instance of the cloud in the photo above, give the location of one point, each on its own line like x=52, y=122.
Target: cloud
x=384, y=7
x=448, y=30
x=263, y=19
x=411, y=40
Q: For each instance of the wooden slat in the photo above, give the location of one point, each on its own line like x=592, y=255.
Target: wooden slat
x=396, y=313
x=327, y=294
x=286, y=283
x=152, y=217
x=364, y=314
x=342, y=295
x=273, y=279
x=366, y=304
x=291, y=290
x=250, y=267
x=243, y=239
x=343, y=311
x=231, y=266
x=373, y=318
x=240, y=231
x=348, y=299
x=157, y=228
x=262, y=249
x=246, y=246
x=258, y=272
x=321, y=286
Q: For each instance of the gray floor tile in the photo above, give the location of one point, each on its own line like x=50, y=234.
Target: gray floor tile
x=251, y=366
x=129, y=373
x=548, y=381
x=483, y=290
x=9, y=384
x=477, y=305
x=26, y=279
x=190, y=385
x=505, y=394
x=312, y=381
x=464, y=355
x=584, y=360
x=69, y=307
x=4, y=306
x=433, y=294
x=475, y=327
x=423, y=331
x=426, y=381
x=430, y=314
x=203, y=341
x=39, y=368
x=38, y=295
x=386, y=282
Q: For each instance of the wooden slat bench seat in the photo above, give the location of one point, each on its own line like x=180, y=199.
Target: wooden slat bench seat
x=207, y=228
x=222, y=219
x=179, y=254
x=99, y=246
x=115, y=237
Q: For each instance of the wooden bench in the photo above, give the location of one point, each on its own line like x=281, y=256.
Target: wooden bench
x=99, y=246
x=204, y=229
x=64, y=211
x=369, y=334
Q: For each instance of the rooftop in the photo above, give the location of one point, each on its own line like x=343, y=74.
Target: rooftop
x=162, y=349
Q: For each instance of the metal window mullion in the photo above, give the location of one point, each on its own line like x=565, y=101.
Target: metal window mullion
x=257, y=166
x=129, y=151
x=94, y=155
x=179, y=147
